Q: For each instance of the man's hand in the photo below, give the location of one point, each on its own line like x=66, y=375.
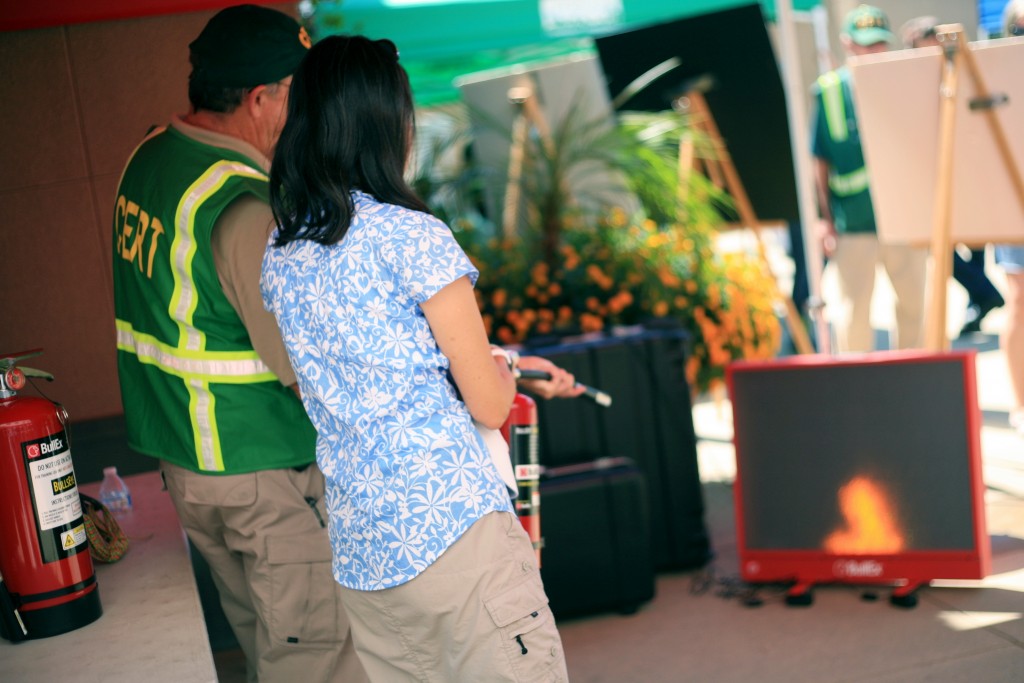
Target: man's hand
x=826, y=230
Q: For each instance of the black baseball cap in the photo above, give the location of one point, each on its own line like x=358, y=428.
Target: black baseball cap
x=247, y=45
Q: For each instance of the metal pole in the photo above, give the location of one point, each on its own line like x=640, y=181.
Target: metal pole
x=798, y=134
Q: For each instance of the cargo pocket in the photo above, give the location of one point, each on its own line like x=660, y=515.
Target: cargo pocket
x=230, y=491
x=305, y=609
x=529, y=637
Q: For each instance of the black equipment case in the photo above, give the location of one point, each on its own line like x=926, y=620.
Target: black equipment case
x=597, y=545
x=650, y=421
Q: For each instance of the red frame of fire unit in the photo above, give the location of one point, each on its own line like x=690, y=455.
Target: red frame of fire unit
x=908, y=568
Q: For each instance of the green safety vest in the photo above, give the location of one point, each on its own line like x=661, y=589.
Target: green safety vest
x=834, y=109
x=195, y=393
x=848, y=182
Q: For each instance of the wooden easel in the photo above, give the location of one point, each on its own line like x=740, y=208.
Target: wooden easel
x=956, y=52
x=721, y=169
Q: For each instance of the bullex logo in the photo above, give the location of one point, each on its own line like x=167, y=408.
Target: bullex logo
x=857, y=568
x=52, y=446
x=41, y=448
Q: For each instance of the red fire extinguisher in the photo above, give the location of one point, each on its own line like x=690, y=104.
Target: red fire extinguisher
x=521, y=434
x=48, y=583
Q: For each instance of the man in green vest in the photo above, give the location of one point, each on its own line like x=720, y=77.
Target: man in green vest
x=205, y=380
x=844, y=199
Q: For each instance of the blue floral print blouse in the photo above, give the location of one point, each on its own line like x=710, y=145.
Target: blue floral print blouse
x=407, y=473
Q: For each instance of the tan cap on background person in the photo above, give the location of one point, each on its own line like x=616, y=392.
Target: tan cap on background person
x=1013, y=18
x=868, y=25
x=247, y=45
x=918, y=29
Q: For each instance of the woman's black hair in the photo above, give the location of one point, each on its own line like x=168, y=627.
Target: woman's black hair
x=349, y=127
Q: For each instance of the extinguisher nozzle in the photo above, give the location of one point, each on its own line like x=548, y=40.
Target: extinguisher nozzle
x=598, y=396
x=595, y=395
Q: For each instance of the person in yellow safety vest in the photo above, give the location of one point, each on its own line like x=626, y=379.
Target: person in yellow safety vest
x=848, y=231
x=205, y=381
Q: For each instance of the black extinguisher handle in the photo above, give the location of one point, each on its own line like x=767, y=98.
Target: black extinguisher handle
x=596, y=395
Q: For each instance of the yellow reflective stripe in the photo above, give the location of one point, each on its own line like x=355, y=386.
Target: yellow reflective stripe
x=184, y=301
x=225, y=367
x=832, y=103
x=202, y=404
x=849, y=183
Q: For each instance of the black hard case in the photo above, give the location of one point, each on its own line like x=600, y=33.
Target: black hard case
x=650, y=420
x=597, y=544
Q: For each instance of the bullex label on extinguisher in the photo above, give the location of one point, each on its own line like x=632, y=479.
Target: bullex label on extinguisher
x=525, y=461
x=524, y=444
x=51, y=479
x=527, y=472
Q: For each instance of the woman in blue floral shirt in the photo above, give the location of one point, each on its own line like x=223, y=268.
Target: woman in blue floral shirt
x=375, y=303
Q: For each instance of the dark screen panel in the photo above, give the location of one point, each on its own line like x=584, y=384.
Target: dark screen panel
x=802, y=433
x=747, y=99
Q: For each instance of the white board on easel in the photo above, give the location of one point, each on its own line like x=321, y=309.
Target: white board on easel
x=897, y=98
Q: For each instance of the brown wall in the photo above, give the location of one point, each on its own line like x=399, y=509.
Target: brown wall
x=74, y=102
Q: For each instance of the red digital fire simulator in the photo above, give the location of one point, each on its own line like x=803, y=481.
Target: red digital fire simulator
x=861, y=469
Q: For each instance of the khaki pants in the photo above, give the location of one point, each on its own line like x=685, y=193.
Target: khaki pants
x=478, y=614
x=855, y=260
x=271, y=562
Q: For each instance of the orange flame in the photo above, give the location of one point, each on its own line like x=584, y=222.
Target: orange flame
x=870, y=522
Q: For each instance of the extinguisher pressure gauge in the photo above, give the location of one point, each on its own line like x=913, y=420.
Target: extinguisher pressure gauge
x=14, y=379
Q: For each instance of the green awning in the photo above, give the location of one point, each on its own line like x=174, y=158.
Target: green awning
x=440, y=40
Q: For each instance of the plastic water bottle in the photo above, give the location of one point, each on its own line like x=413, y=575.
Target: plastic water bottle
x=114, y=492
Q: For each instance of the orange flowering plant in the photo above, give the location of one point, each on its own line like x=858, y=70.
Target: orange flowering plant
x=577, y=268
x=622, y=273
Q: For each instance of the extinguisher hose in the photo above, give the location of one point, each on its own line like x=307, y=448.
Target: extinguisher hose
x=107, y=541
x=596, y=395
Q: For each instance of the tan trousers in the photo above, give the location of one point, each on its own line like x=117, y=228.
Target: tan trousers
x=479, y=613
x=271, y=562
x=855, y=261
